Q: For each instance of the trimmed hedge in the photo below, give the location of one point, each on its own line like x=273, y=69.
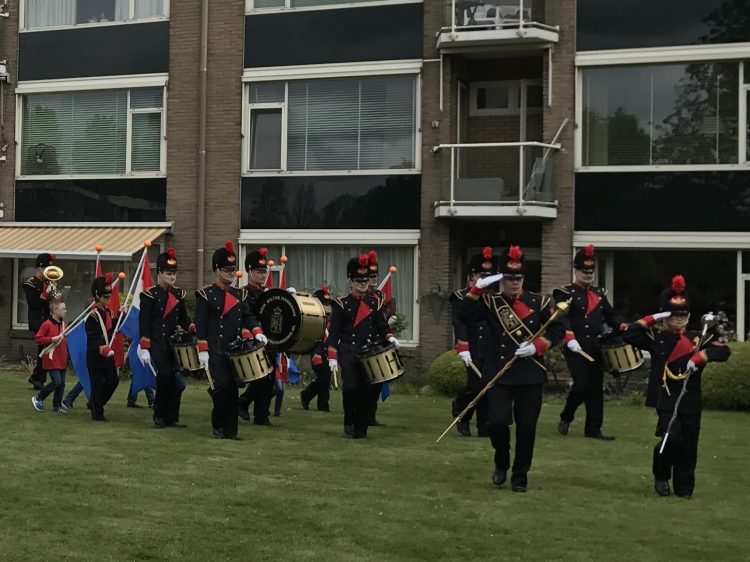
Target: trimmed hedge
x=726, y=386
x=447, y=374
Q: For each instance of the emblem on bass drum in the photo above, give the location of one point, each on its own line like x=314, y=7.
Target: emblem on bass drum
x=292, y=322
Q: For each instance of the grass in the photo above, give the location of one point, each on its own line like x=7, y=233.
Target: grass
x=74, y=490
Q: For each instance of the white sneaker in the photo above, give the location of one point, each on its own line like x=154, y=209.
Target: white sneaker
x=38, y=404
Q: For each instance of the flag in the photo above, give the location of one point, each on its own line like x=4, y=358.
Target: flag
x=282, y=281
x=294, y=374
x=143, y=376
x=118, y=344
x=77, y=346
x=269, y=280
x=386, y=287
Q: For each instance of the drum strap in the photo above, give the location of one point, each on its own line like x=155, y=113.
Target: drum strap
x=513, y=326
x=101, y=324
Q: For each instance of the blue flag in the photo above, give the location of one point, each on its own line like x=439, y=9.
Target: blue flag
x=294, y=374
x=385, y=391
x=77, y=345
x=143, y=376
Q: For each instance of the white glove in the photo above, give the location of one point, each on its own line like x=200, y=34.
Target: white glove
x=333, y=364
x=48, y=290
x=111, y=353
x=203, y=358
x=691, y=367
x=526, y=350
x=574, y=346
x=291, y=290
x=261, y=338
x=661, y=315
x=394, y=341
x=483, y=282
x=465, y=357
x=392, y=320
x=144, y=355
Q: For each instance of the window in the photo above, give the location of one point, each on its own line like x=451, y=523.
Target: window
x=505, y=97
x=103, y=132
x=312, y=265
x=333, y=125
x=56, y=13
x=660, y=114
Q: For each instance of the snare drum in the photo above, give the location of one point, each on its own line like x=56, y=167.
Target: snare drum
x=185, y=351
x=620, y=356
x=381, y=364
x=292, y=322
x=249, y=360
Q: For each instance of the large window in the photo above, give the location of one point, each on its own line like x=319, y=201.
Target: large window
x=332, y=125
x=103, y=132
x=261, y=4
x=311, y=266
x=661, y=114
x=56, y=13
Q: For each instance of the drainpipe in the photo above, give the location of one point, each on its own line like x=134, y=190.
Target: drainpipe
x=202, y=145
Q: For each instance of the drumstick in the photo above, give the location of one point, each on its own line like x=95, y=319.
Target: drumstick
x=585, y=355
x=335, y=374
x=476, y=370
x=210, y=378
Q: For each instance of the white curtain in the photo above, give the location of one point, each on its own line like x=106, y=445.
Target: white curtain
x=149, y=8
x=122, y=10
x=45, y=13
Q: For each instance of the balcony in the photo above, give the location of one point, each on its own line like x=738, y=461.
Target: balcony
x=503, y=180
x=489, y=25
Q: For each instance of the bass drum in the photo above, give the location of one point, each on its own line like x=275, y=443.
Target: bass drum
x=621, y=357
x=292, y=322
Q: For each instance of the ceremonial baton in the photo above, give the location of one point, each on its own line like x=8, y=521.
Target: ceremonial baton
x=477, y=372
x=561, y=309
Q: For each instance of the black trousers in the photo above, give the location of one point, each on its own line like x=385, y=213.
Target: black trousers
x=104, y=381
x=225, y=395
x=39, y=374
x=464, y=397
x=320, y=387
x=167, y=400
x=258, y=393
x=588, y=381
x=356, y=398
x=522, y=404
x=375, y=390
x=680, y=455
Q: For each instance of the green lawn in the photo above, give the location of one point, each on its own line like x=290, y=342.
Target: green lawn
x=74, y=490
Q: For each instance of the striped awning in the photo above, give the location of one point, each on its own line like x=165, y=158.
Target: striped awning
x=76, y=241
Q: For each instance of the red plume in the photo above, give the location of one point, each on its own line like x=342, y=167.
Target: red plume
x=373, y=256
x=324, y=288
x=108, y=278
x=363, y=259
x=588, y=251
x=52, y=257
x=229, y=246
x=487, y=253
x=263, y=252
x=515, y=253
x=678, y=284
x=171, y=253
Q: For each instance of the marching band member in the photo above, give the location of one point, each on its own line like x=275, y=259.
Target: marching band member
x=258, y=392
x=100, y=359
x=37, y=291
x=354, y=321
x=584, y=323
x=163, y=312
x=321, y=386
x=469, y=341
x=51, y=332
x=513, y=316
x=222, y=314
x=674, y=356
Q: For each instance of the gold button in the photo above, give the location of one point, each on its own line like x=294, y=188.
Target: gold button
x=518, y=332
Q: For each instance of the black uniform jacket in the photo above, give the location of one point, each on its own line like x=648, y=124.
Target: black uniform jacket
x=162, y=311
x=670, y=353
x=472, y=334
x=355, y=323
x=222, y=316
x=253, y=292
x=38, y=305
x=97, y=338
x=510, y=322
x=589, y=311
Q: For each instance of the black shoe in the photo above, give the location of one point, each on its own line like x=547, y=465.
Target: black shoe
x=305, y=403
x=218, y=433
x=662, y=487
x=276, y=414
x=374, y=423
x=134, y=405
x=499, y=477
x=463, y=428
x=233, y=437
x=519, y=488
x=35, y=383
x=151, y=405
x=244, y=413
x=99, y=418
x=601, y=437
x=159, y=422
x=349, y=430
x=263, y=422
x=562, y=427
x=176, y=424
x=685, y=496
x=324, y=409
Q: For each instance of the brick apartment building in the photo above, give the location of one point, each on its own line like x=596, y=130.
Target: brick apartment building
x=423, y=129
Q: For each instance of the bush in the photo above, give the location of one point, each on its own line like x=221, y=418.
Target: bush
x=726, y=386
x=447, y=374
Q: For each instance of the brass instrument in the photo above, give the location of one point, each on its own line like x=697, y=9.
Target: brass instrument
x=53, y=274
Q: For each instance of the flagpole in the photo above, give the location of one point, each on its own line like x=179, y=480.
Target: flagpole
x=131, y=291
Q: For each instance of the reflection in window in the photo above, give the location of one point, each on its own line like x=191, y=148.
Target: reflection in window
x=49, y=13
x=660, y=114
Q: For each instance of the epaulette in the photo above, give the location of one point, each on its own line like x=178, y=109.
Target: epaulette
x=460, y=294
x=339, y=301
x=29, y=281
x=147, y=293
x=181, y=293
x=545, y=301
x=565, y=289
x=202, y=292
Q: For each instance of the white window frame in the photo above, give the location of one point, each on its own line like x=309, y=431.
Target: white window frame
x=734, y=52
x=247, y=134
x=128, y=83
x=344, y=237
x=517, y=96
x=327, y=71
x=250, y=8
x=131, y=19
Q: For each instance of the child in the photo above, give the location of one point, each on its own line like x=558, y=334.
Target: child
x=51, y=332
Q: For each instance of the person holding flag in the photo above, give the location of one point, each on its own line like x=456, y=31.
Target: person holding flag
x=258, y=392
x=222, y=314
x=321, y=386
x=162, y=313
